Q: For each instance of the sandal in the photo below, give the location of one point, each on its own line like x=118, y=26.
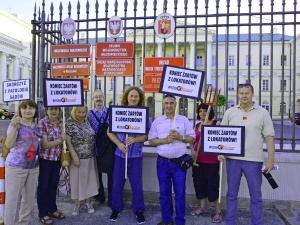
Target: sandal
x=217, y=217
x=57, y=215
x=198, y=211
x=45, y=220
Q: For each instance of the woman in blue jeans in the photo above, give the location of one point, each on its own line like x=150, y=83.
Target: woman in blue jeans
x=52, y=138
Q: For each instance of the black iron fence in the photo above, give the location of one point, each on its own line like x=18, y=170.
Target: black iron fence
x=232, y=41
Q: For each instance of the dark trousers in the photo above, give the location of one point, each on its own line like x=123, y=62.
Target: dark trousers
x=47, y=186
x=101, y=196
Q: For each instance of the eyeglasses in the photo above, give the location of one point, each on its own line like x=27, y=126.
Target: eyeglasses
x=244, y=85
x=169, y=96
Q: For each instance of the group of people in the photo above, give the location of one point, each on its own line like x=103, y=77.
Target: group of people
x=36, y=150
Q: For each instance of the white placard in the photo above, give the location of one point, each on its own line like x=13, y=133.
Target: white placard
x=63, y=92
x=223, y=140
x=128, y=119
x=182, y=81
x=16, y=90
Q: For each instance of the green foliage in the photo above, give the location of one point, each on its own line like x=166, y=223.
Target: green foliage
x=222, y=101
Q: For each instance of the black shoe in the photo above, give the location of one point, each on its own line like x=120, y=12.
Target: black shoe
x=114, y=216
x=140, y=217
x=165, y=223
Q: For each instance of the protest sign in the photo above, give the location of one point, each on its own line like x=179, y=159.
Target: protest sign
x=16, y=90
x=223, y=140
x=63, y=92
x=182, y=81
x=128, y=119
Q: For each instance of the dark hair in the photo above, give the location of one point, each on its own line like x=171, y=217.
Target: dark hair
x=46, y=108
x=23, y=104
x=204, y=106
x=124, y=100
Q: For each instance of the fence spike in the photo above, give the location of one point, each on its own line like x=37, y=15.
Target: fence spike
x=96, y=6
x=135, y=5
x=125, y=5
x=116, y=6
x=145, y=4
x=154, y=4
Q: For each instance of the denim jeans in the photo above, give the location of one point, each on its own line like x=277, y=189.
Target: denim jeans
x=101, y=196
x=253, y=174
x=135, y=175
x=169, y=173
x=47, y=186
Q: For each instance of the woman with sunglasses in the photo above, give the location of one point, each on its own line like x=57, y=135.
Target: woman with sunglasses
x=206, y=174
x=52, y=138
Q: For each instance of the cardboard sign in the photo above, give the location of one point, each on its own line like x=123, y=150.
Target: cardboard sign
x=152, y=83
x=114, y=67
x=63, y=92
x=128, y=119
x=223, y=140
x=70, y=51
x=16, y=90
x=182, y=81
x=155, y=65
x=70, y=69
x=114, y=50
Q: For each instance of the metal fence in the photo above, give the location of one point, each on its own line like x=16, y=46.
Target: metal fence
x=218, y=29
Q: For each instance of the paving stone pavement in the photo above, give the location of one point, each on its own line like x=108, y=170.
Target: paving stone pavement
x=152, y=215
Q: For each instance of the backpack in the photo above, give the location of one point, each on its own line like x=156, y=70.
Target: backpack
x=5, y=149
x=105, y=147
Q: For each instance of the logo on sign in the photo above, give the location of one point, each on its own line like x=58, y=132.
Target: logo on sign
x=164, y=26
x=68, y=28
x=115, y=27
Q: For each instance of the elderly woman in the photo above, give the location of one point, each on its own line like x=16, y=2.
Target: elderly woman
x=22, y=165
x=84, y=182
x=52, y=138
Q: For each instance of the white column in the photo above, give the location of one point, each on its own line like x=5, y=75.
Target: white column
x=159, y=50
x=192, y=55
x=16, y=69
x=209, y=60
x=3, y=72
x=177, y=49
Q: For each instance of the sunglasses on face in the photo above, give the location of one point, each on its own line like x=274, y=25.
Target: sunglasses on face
x=244, y=85
x=169, y=96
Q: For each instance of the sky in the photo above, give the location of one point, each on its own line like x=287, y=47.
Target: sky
x=25, y=9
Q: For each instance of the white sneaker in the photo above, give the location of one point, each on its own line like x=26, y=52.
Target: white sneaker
x=89, y=208
x=76, y=210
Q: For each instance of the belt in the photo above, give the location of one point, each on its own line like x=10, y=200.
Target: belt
x=168, y=159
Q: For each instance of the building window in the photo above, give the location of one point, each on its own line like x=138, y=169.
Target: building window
x=282, y=108
x=141, y=61
x=247, y=60
x=265, y=85
x=266, y=106
x=231, y=85
x=199, y=61
x=283, y=85
x=231, y=60
x=284, y=60
x=230, y=103
x=266, y=60
x=213, y=60
x=111, y=84
x=213, y=83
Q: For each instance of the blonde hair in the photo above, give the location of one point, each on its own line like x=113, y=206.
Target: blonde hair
x=74, y=109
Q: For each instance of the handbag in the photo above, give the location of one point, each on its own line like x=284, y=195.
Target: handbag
x=185, y=161
x=106, y=148
x=65, y=158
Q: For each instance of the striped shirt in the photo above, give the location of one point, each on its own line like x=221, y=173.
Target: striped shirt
x=47, y=128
